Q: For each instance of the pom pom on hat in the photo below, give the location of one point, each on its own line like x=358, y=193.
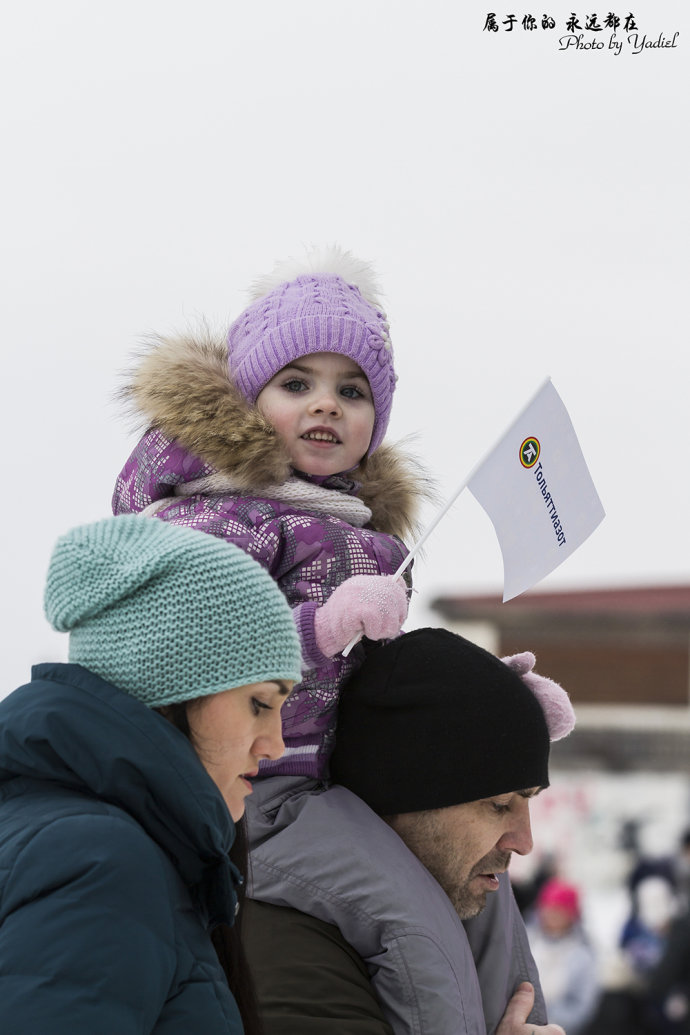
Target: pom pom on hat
x=554, y=701
x=168, y=613
x=331, y=260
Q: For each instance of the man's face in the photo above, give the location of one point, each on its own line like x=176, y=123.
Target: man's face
x=466, y=846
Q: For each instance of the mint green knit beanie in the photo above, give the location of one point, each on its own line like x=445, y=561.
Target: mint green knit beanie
x=168, y=613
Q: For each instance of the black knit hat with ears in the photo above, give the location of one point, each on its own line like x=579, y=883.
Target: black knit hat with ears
x=432, y=720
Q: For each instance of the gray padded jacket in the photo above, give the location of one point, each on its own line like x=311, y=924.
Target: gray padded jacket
x=325, y=852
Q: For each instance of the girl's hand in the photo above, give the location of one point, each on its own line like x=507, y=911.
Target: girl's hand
x=367, y=605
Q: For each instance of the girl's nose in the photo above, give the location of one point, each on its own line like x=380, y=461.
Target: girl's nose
x=326, y=402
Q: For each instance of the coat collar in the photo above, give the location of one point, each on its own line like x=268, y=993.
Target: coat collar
x=329, y=499
x=182, y=387
x=70, y=727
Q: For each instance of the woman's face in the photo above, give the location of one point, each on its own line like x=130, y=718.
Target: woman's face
x=232, y=731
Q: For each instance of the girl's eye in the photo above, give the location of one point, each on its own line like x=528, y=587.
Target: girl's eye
x=352, y=392
x=259, y=706
x=294, y=385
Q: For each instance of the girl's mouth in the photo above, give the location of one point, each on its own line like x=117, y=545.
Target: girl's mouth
x=320, y=436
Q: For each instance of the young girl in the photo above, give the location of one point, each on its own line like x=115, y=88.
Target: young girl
x=272, y=440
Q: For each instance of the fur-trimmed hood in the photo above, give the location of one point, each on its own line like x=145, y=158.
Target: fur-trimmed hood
x=181, y=386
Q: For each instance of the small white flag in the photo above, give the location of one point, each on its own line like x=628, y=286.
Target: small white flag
x=538, y=492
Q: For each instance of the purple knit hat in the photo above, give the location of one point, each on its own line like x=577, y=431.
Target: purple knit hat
x=325, y=303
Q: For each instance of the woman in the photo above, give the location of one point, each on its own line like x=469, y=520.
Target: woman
x=115, y=823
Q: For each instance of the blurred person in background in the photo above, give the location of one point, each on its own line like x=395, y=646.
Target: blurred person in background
x=654, y=903
x=650, y=950
x=668, y=986
x=564, y=956
x=682, y=868
x=527, y=889
x=632, y=1007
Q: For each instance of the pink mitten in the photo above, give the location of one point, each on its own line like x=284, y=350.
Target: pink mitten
x=373, y=605
x=554, y=701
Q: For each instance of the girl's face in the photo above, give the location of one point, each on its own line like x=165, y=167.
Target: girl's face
x=232, y=731
x=322, y=408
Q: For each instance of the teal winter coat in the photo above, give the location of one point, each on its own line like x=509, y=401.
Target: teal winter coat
x=113, y=867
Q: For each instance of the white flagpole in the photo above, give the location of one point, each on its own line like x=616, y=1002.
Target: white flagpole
x=449, y=503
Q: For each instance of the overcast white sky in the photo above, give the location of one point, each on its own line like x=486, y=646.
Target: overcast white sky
x=526, y=208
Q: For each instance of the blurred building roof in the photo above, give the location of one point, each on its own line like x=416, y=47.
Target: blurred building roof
x=664, y=610
x=609, y=647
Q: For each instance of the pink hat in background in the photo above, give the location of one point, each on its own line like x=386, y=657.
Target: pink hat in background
x=557, y=894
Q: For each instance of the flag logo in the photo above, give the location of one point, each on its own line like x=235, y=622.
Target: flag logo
x=529, y=452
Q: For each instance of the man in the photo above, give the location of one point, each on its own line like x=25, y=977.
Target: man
x=441, y=746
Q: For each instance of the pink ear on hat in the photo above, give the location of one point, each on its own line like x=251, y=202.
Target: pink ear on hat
x=554, y=701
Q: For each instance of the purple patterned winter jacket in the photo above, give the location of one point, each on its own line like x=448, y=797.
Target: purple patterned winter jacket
x=306, y=548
